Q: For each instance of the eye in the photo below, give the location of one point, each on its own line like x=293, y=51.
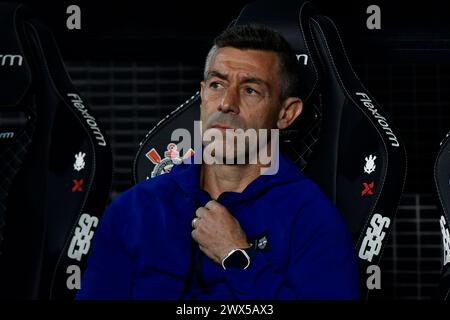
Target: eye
x=215, y=85
x=251, y=91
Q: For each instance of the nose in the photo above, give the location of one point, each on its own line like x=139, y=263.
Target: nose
x=230, y=101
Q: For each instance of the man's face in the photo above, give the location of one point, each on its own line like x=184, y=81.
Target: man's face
x=241, y=91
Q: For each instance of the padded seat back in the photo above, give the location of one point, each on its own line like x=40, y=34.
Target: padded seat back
x=56, y=169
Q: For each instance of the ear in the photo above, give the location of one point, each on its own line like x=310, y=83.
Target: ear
x=290, y=110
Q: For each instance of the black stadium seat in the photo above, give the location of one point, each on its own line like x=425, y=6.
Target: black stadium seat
x=343, y=140
x=55, y=165
x=442, y=180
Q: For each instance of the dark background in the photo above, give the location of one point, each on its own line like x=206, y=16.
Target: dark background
x=135, y=61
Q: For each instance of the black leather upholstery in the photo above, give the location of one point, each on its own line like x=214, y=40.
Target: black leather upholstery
x=442, y=180
x=354, y=128
x=342, y=126
x=58, y=165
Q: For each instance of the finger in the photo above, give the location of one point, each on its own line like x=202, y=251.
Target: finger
x=194, y=235
x=201, y=212
x=213, y=205
x=195, y=222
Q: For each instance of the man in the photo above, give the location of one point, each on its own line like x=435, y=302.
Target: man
x=254, y=235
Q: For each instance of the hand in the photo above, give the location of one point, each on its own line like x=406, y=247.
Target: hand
x=217, y=232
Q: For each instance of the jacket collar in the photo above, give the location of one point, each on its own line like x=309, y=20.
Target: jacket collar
x=187, y=176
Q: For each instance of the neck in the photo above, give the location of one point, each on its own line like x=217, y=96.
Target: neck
x=219, y=178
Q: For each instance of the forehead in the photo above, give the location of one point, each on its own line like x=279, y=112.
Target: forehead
x=256, y=63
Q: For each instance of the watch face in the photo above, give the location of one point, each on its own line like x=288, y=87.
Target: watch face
x=237, y=259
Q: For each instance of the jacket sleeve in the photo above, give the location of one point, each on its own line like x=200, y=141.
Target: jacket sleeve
x=322, y=263
x=108, y=273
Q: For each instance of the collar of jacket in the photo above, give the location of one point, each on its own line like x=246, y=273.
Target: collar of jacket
x=187, y=176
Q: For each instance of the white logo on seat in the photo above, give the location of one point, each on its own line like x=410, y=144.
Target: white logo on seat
x=79, y=161
x=81, y=241
x=382, y=121
x=373, y=240
x=6, y=135
x=304, y=57
x=370, y=165
x=90, y=120
x=445, y=241
x=172, y=157
x=10, y=60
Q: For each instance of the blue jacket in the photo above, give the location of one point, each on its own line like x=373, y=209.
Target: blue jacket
x=143, y=248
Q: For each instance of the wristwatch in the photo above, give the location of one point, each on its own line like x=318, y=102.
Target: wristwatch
x=238, y=258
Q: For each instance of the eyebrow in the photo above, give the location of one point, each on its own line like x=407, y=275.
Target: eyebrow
x=216, y=74
x=250, y=79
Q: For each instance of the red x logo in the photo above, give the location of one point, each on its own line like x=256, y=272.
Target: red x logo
x=77, y=185
x=367, y=189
